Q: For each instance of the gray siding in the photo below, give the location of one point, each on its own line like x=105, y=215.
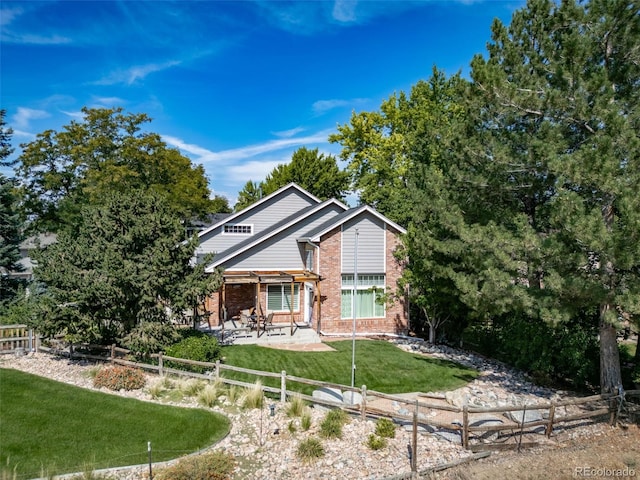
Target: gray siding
x=282, y=251
x=261, y=217
x=371, y=244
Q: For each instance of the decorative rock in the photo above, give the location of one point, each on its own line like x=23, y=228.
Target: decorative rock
x=449, y=435
x=326, y=393
x=527, y=416
x=352, y=398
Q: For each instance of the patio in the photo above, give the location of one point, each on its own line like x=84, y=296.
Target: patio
x=231, y=333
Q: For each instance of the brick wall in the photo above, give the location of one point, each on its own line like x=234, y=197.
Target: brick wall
x=331, y=285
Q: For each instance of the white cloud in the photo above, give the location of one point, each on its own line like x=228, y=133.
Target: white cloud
x=23, y=134
x=33, y=39
x=323, y=106
x=78, y=114
x=289, y=133
x=23, y=117
x=108, y=101
x=7, y=15
x=224, y=156
x=256, y=171
x=199, y=152
x=135, y=73
x=344, y=10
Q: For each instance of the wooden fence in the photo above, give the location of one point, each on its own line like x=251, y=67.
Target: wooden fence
x=477, y=429
x=17, y=339
x=474, y=425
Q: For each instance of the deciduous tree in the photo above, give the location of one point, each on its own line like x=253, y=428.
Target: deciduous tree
x=108, y=151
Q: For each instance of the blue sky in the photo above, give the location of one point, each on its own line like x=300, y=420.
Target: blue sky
x=236, y=86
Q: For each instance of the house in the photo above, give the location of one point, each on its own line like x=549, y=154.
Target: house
x=296, y=257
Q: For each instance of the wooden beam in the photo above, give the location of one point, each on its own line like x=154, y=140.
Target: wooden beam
x=291, y=303
x=319, y=305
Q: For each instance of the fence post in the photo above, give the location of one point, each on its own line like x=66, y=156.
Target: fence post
x=30, y=340
x=552, y=413
x=160, y=365
x=414, y=443
x=112, y=355
x=283, y=386
x=465, y=427
x=363, y=405
x=37, y=342
x=217, y=369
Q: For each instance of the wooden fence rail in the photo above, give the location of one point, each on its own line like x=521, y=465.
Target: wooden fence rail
x=17, y=339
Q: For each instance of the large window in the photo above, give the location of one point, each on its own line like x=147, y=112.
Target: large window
x=368, y=290
x=279, y=297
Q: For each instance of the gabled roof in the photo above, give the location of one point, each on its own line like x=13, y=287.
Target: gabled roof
x=270, y=232
x=266, y=199
x=315, y=234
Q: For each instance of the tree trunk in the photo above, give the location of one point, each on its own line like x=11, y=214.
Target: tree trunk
x=610, y=374
x=637, y=357
x=432, y=333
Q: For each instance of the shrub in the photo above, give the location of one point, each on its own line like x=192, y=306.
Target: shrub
x=119, y=378
x=385, y=428
x=375, y=442
x=209, y=395
x=296, y=407
x=310, y=449
x=211, y=466
x=337, y=415
x=201, y=348
x=253, y=397
x=305, y=420
x=331, y=426
x=292, y=427
x=150, y=337
x=191, y=387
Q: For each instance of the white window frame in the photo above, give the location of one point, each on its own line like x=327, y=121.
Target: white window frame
x=285, y=292
x=367, y=283
x=240, y=227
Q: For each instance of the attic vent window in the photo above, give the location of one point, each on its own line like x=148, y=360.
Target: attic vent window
x=238, y=229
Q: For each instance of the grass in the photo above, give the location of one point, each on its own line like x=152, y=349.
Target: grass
x=50, y=428
x=380, y=366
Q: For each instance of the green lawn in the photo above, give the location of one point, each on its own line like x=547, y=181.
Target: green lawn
x=380, y=366
x=48, y=427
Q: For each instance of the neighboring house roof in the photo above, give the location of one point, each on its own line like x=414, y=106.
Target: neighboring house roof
x=278, y=227
x=26, y=247
x=268, y=198
x=315, y=234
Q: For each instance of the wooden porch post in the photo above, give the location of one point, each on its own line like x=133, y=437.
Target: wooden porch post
x=319, y=305
x=258, y=307
x=223, y=301
x=291, y=304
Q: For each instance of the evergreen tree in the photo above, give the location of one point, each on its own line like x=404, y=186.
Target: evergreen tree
x=10, y=224
x=536, y=209
x=125, y=273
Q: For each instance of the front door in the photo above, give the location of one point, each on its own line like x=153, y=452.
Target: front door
x=308, y=303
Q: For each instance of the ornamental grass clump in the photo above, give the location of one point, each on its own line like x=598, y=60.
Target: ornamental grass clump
x=119, y=378
x=331, y=425
x=253, y=397
x=310, y=450
x=296, y=407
